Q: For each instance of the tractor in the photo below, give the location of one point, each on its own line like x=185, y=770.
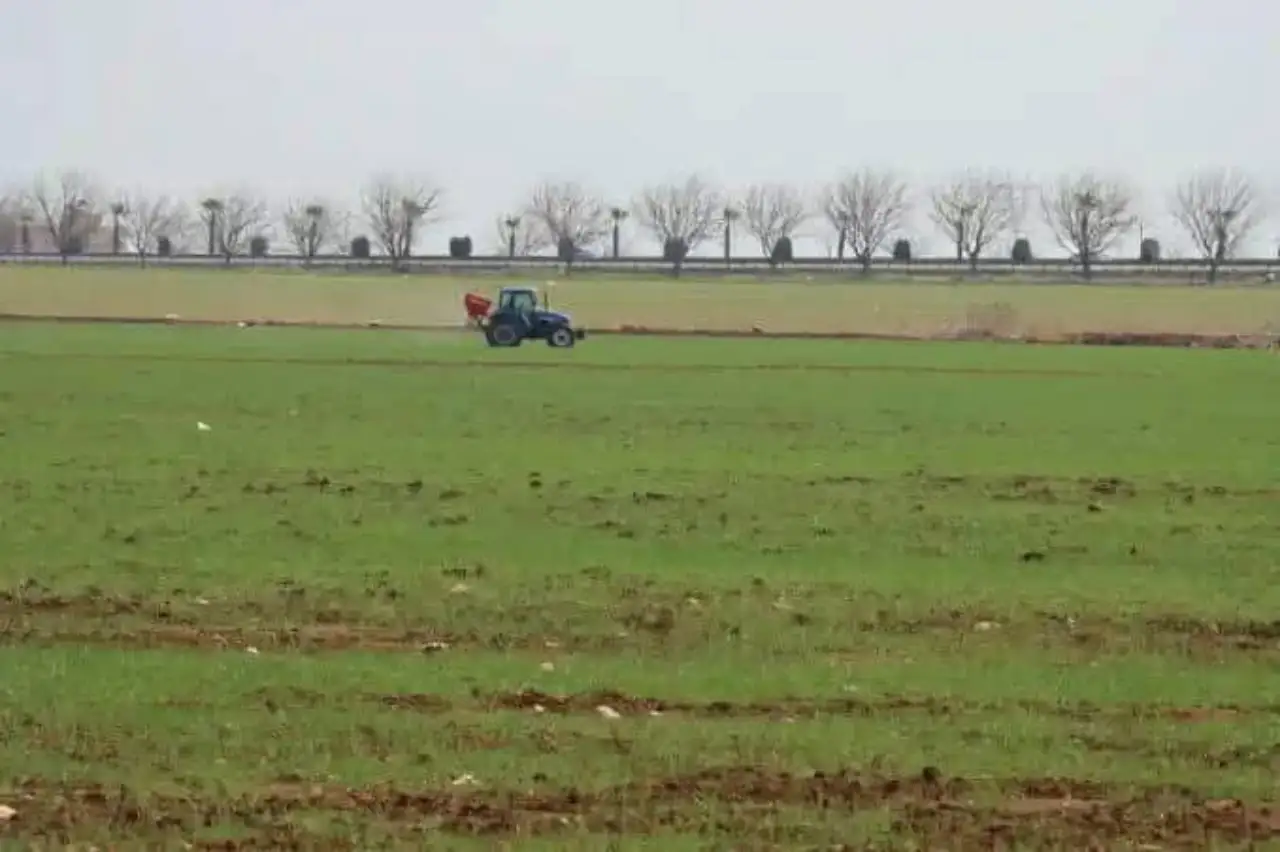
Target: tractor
x=519, y=317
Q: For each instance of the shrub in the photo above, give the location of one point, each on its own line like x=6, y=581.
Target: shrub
x=902, y=251
x=674, y=250
x=258, y=246
x=164, y=247
x=1021, y=250
x=460, y=248
x=360, y=247
x=782, y=251
x=1149, y=251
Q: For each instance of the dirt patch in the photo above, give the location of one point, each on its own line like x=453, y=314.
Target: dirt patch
x=926, y=807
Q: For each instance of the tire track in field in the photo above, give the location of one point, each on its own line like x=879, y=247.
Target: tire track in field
x=581, y=366
x=1148, y=339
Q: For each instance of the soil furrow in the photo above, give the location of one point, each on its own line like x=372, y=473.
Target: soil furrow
x=1033, y=813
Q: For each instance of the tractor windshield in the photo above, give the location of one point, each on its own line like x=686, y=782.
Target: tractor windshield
x=522, y=301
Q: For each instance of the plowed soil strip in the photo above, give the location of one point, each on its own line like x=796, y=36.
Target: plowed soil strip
x=33, y=615
x=117, y=624
x=607, y=701
x=925, y=806
x=316, y=639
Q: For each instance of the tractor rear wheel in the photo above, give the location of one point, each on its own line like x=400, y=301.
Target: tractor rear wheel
x=504, y=334
x=561, y=337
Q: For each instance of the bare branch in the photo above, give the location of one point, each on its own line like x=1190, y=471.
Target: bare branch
x=679, y=215
x=147, y=219
x=865, y=208
x=1087, y=214
x=313, y=226
x=67, y=208
x=568, y=216
x=1218, y=209
x=516, y=236
x=398, y=209
x=975, y=210
x=772, y=212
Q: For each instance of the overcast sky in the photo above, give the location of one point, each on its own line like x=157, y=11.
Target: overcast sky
x=308, y=97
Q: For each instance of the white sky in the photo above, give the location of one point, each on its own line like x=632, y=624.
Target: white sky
x=309, y=97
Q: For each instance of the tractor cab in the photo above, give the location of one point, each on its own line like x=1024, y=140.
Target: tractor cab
x=518, y=300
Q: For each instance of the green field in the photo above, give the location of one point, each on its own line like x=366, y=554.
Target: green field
x=408, y=592
x=788, y=305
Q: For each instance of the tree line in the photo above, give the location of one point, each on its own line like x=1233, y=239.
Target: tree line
x=866, y=211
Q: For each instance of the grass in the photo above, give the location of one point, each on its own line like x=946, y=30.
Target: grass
x=378, y=603
x=908, y=309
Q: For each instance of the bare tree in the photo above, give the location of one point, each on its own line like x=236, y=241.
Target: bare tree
x=865, y=208
x=975, y=210
x=398, y=209
x=146, y=220
x=570, y=218
x=681, y=216
x=771, y=212
x=1087, y=214
x=517, y=237
x=67, y=207
x=312, y=226
x=1218, y=209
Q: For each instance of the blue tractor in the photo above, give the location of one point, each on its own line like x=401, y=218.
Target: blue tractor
x=519, y=317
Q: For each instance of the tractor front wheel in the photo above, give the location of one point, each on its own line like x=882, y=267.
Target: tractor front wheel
x=562, y=337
